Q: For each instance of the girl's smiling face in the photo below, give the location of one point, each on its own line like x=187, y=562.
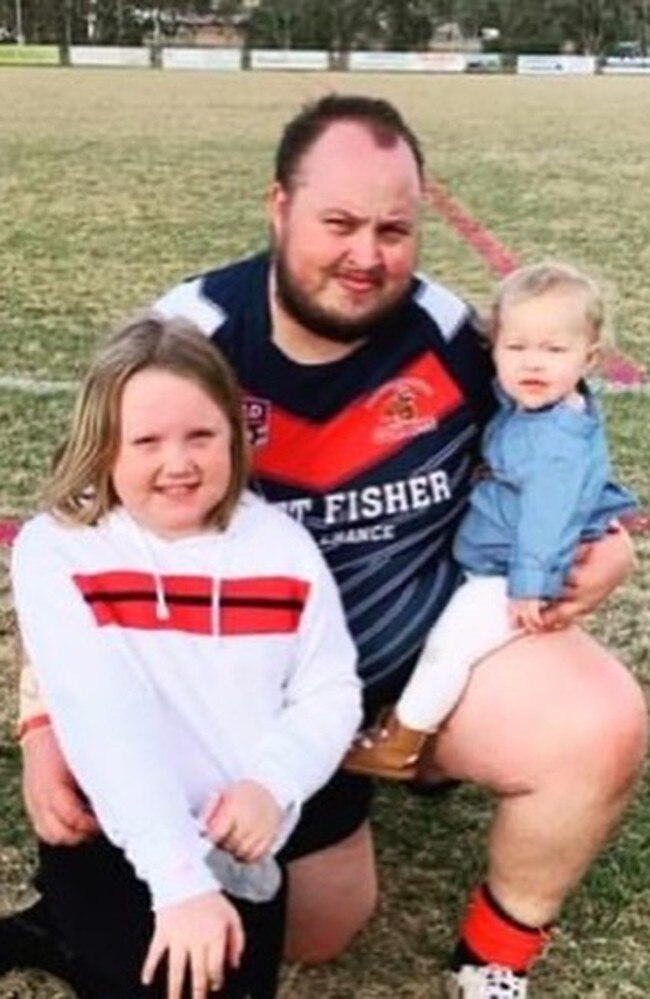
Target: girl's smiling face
x=174, y=463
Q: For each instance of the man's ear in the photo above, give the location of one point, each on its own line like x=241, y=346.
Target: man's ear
x=277, y=200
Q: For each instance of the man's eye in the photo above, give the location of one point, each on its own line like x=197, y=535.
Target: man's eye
x=394, y=233
x=339, y=225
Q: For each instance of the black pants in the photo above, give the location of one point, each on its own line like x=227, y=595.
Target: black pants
x=102, y=914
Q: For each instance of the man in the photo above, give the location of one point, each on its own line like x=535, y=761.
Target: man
x=366, y=388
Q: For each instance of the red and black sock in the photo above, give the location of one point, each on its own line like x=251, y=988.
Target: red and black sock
x=489, y=935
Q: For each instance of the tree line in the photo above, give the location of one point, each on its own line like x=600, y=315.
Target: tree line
x=584, y=26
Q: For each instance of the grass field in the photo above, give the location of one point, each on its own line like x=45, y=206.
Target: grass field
x=113, y=184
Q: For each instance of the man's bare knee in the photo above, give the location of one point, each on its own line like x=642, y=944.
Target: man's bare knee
x=332, y=895
x=545, y=707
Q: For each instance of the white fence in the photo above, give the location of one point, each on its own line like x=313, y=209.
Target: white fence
x=556, y=65
x=307, y=60
x=407, y=62
x=109, y=55
x=302, y=59
x=627, y=66
x=228, y=60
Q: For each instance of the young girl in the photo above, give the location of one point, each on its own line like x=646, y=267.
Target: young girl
x=193, y=654
x=546, y=488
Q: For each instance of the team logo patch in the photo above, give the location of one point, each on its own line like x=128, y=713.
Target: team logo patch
x=257, y=413
x=404, y=408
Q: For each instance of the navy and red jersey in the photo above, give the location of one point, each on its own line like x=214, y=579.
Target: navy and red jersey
x=373, y=453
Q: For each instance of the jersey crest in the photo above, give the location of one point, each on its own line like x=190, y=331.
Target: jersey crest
x=257, y=414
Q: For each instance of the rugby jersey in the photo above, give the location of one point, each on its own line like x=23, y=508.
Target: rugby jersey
x=373, y=453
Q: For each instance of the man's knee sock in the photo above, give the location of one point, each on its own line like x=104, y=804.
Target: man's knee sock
x=489, y=935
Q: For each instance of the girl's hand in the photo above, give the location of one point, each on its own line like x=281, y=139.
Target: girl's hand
x=244, y=820
x=204, y=933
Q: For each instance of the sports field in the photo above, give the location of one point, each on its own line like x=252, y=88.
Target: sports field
x=114, y=184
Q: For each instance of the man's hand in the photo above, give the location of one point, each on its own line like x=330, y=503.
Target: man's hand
x=204, y=933
x=53, y=801
x=599, y=568
x=244, y=820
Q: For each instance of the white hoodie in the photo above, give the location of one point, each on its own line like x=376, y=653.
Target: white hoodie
x=173, y=668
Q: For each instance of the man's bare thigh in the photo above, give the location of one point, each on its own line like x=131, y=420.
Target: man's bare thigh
x=530, y=705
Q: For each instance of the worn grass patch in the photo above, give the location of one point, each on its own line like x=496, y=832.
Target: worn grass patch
x=115, y=184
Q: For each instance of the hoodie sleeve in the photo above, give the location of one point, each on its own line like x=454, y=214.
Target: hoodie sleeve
x=106, y=716
x=323, y=701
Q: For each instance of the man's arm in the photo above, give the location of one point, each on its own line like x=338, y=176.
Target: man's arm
x=53, y=801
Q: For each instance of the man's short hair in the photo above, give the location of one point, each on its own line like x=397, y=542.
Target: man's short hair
x=382, y=120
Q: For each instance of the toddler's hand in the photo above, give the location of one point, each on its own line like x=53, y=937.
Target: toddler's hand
x=244, y=819
x=527, y=614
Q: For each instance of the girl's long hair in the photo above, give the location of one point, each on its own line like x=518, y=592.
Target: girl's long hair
x=80, y=488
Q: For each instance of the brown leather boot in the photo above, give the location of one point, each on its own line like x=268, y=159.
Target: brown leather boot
x=388, y=749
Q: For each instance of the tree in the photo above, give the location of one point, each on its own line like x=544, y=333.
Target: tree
x=341, y=25
x=407, y=24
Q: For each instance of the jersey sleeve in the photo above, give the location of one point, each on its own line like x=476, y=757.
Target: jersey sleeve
x=108, y=723
x=458, y=332
x=187, y=301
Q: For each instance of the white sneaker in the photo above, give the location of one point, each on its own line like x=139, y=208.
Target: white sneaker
x=490, y=981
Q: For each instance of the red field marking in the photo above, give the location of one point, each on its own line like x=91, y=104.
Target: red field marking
x=8, y=531
x=618, y=370
x=497, y=256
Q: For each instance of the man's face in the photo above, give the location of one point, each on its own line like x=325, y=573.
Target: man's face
x=345, y=236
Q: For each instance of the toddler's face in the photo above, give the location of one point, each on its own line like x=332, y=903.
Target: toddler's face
x=173, y=464
x=543, y=347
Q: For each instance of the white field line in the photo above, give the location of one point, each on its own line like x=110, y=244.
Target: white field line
x=37, y=386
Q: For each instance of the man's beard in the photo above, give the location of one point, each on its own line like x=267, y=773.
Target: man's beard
x=322, y=322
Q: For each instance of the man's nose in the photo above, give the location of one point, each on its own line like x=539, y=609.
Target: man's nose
x=364, y=248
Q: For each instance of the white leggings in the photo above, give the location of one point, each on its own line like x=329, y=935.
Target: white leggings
x=473, y=624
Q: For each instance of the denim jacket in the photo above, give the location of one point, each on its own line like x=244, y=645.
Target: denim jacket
x=547, y=487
